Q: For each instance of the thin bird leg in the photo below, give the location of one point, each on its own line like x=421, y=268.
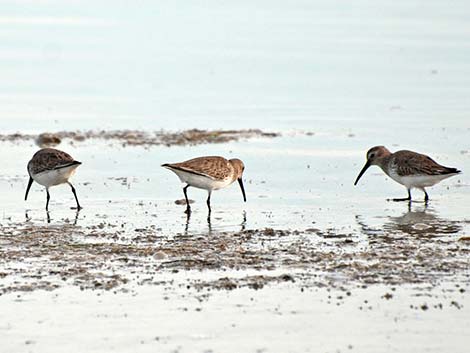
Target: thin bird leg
x=404, y=199
x=48, y=197
x=209, y=202
x=426, y=197
x=188, y=208
x=75, y=194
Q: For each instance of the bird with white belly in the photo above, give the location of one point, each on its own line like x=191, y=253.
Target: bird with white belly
x=408, y=168
x=50, y=167
x=208, y=173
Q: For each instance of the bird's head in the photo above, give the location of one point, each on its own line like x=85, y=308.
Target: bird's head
x=239, y=167
x=374, y=157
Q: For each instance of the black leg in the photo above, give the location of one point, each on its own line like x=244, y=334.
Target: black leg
x=404, y=199
x=76, y=198
x=48, y=197
x=426, y=197
x=188, y=208
x=209, y=202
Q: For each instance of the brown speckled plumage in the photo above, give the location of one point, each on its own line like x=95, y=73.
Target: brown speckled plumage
x=407, y=163
x=217, y=168
x=49, y=159
x=411, y=169
x=208, y=173
x=50, y=167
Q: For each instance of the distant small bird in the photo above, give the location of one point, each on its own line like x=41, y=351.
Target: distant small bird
x=209, y=173
x=411, y=169
x=50, y=167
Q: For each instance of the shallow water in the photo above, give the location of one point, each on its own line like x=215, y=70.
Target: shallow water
x=329, y=239
x=334, y=79
x=292, y=182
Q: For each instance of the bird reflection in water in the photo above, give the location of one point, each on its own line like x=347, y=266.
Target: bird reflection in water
x=243, y=224
x=48, y=217
x=188, y=221
x=419, y=220
x=209, y=223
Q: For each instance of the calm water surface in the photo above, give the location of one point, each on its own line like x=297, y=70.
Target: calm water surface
x=308, y=64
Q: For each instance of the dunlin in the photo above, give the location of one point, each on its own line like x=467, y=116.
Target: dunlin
x=208, y=173
x=411, y=169
x=50, y=167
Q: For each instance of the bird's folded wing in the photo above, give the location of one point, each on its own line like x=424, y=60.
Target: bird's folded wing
x=419, y=164
x=51, y=160
x=216, y=168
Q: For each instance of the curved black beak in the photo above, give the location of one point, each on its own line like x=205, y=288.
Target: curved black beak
x=240, y=181
x=30, y=182
x=366, y=166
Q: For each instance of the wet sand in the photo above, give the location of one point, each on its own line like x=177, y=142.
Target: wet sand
x=278, y=318
x=109, y=256
x=307, y=251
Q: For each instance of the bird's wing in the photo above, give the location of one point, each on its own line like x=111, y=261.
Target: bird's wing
x=50, y=159
x=412, y=163
x=217, y=168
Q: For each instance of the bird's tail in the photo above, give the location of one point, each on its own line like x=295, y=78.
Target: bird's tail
x=448, y=170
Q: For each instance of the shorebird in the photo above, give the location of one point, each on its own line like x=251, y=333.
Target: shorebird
x=411, y=169
x=50, y=167
x=208, y=173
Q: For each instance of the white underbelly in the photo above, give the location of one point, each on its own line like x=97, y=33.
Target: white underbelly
x=202, y=182
x=55, y=177
x=419, y=181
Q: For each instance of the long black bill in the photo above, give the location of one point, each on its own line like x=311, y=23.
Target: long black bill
x=366, y=166
x=240, y=181
x=30, y=182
